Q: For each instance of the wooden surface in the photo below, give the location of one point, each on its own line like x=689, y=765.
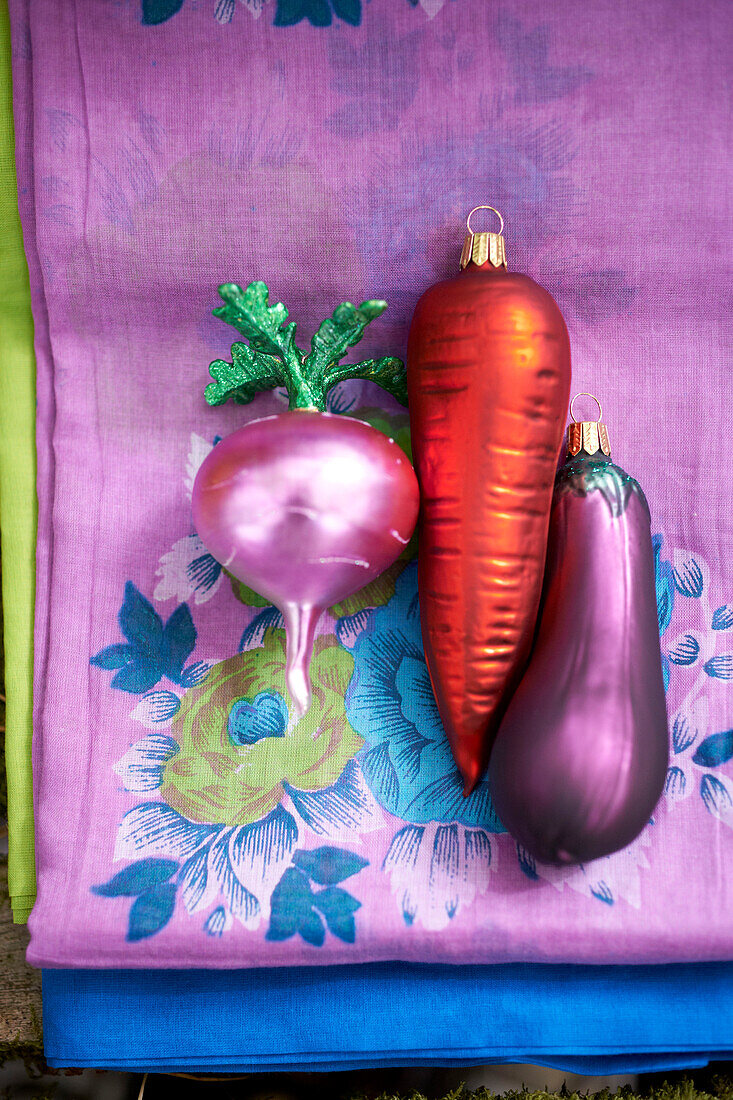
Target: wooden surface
x=20, y=985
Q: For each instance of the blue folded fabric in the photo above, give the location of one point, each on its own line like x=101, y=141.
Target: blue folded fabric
x=584, y=1019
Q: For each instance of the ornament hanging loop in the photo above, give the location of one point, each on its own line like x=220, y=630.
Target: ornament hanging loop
x=468, y=219
x=593, y=398
x=589, y=436
x=481, y=248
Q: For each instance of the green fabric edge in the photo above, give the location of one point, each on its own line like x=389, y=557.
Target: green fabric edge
x=18, y=504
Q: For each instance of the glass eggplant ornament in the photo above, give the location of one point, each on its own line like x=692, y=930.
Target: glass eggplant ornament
x=488, y=373
x=581, y=756
x=305, y=507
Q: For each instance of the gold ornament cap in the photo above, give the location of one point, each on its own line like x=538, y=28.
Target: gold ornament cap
x=588, y=436
x=481, y=248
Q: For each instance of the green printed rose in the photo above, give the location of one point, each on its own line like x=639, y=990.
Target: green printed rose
x=239, y=745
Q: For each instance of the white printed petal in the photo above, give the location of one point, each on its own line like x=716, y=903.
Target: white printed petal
x=244, y=906
x=339, y=811
x=198, y=450
x=141, y=768
x=255, y=7
x=431, y=7
x=608, y=879
x=224, y=11
x=156, y=710
x=260, y=852
x=155, y=829
x=718, y=798
x=198, y=887
x=435, y=870
x=186, y=570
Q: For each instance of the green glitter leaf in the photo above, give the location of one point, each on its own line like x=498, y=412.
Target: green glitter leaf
x=248, y=312
x=273, y=358
x=248, y=374
x=389, y=373
x=344, y=328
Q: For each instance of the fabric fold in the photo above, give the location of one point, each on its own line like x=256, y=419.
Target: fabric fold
x=580, y=1019
x=18, y=514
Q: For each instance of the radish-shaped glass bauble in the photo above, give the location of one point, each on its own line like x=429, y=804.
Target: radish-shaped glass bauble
x=581, y=756
x=305, y=507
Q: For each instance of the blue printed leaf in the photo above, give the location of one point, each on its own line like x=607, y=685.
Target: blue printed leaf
x=254, y=634
x=178, y=641
x=723, y=617
x=290, y=905
x=685, y=650
x=217, y=922
x=665, y=671
x=664, y=585
x=151, y=912
x=292, y=11
x=140, y=622
x=349, y=627
x=348, y=10
x=158, y=11
x=311, y=929
x=137, y=878
x=683, y=733
x=603, y=892
x=327, y=866
x=139, y=676
x=688, y=578
x=527, y=863
x=194, y=674
x=675, y=785
x=721, y=667
x=714, y=750
x=664, y=607
x=717, y=798
x=338, y=907
x=113, y=656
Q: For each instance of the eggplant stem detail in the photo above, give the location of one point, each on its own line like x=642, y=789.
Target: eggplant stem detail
x=271, y=357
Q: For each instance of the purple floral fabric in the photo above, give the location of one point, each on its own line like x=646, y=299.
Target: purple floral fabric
x=333, y=148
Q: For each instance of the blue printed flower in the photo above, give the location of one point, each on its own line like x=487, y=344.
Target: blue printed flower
x=441, y=859
x=265, y=716
x=234, y=840
x=406, y=760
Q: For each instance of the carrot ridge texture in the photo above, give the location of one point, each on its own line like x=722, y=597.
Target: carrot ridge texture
x=488, y=375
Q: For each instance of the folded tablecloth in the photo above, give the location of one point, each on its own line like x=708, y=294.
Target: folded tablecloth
x=603, y=1019
x=17, y=504
x=178, y=148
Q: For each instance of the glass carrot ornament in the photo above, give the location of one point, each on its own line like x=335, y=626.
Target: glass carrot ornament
x=488, y=376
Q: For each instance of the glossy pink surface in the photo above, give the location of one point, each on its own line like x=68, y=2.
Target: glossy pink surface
x=306, y=508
